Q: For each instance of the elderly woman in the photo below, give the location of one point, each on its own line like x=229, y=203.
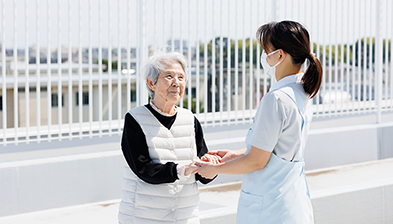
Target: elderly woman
x=160, y=144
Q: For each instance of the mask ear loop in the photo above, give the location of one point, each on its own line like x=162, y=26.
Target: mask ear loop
x=272, y=52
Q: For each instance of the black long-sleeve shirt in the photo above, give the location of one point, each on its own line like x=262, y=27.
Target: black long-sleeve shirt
x=135, y=150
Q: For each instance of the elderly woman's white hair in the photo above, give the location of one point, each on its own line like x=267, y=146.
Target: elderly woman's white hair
x=159, y=62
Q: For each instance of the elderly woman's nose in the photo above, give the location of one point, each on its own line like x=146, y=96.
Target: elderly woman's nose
x=175, y=81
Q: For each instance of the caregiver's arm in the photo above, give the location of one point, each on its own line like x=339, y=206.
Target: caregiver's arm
x=255, y=160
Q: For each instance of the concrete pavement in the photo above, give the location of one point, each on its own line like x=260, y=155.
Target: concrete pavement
x=356, y=193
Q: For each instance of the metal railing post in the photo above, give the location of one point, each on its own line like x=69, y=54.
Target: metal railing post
x=378, y=62
x=142, y=54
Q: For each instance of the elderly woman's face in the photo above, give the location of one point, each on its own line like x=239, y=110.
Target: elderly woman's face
x=170, y=84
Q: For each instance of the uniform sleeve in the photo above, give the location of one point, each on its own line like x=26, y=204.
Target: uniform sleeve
x=201, y=149
x=268, y=123
x=135, y=151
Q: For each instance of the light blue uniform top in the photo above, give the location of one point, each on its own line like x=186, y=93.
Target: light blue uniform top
x=278, y=193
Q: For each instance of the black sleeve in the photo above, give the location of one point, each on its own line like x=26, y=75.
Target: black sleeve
x=201, y=149
x=135, y=151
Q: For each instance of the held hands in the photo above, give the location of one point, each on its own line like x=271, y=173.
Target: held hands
x=193, y=167
x=225, y=155
x=208, y=163
x=207, y=169
x=190, y=169
x=211, y=158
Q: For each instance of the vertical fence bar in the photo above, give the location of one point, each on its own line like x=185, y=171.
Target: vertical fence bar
x=386, y=62
x=229, y=67
x=221, y=65
x=336, y=81
x=197, y=64
x=371, y=55
x=342, y=61
x=330, y=61
x=90, y=71
x=181, y=25
x=128, y=92
x=347, y=66
x=4, y=90
x=324, y=53
x=205, y=55
x=49, y=73
x=100, y=69
x=188, y=53
x=142, y=52
x=391, y=55
x=236, y=65
x=119, y=69
x=172, y=27
x=70, y=117
x=364, y=60
x=378, y=60
x=244, y=66
x=187, y=95
x=258, y=75
x=251, y=65
x=164, y=20
x=109, y=102
x=16, y=114
x=80, y=89
x=27, y=90
x=59, y=81
x=353, y=62
x=138, y=50
x=38, y=73
x=197, y=58
x=359, y=60
x=264, y=73
x=213, y=70
x=156, y=25
x=318, y=54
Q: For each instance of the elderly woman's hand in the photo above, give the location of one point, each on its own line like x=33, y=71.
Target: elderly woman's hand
x=207, y=170
x=190, y=169
x=215, y=159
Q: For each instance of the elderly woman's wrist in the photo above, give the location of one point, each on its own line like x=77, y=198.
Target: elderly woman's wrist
x=180, y=170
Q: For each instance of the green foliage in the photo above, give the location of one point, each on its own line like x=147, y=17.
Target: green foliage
x=193, y=104
x=106, y=67
x=209, y=48
x=328, y=54
x=361, y=47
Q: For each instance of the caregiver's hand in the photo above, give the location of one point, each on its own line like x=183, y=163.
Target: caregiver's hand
x=215, y=159
x=225, y=155
x=207, y=169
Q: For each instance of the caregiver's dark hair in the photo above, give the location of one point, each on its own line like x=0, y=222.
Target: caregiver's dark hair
x=293, y=38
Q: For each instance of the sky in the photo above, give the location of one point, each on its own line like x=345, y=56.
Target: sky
x=115, y=22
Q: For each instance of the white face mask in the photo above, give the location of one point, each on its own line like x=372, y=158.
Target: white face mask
x=270, y=70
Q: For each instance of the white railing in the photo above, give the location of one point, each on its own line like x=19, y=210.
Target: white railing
x=83, y=94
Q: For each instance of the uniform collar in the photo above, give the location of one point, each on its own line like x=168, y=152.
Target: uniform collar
x=296, y=78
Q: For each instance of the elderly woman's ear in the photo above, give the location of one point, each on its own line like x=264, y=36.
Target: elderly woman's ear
x=150, y=83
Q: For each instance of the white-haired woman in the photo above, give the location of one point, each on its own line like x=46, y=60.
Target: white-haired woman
x=160, y=144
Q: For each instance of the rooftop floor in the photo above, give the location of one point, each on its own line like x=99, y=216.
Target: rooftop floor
x=221, y=200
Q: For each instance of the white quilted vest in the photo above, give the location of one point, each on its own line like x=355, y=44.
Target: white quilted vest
x=176, y=202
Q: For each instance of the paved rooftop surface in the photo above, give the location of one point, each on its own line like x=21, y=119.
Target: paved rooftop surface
x=218, y=200
x=221, y=200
